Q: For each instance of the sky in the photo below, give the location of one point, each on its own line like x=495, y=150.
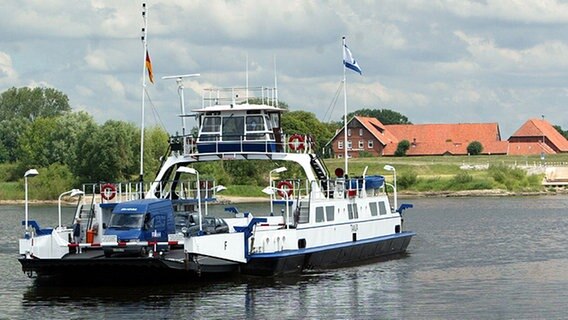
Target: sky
x=434, y=61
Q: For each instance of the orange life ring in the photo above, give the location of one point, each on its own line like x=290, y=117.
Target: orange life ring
x=108, y=191
x=296, y=142
x=285, y=187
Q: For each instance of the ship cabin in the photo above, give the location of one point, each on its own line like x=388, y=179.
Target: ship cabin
x=239, y=125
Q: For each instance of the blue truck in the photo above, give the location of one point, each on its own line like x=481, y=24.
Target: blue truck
x=140, y=221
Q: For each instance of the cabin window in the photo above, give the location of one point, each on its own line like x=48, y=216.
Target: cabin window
x=233, y=128
x=361, y=144
x=370, y=144
x=274, y=120
x=374, y=210
x=330, y=213
x=360, y=132
x=352, y=211
x=209, y=137
x=211, y=124
x=319, y=214
x=268, y=123
x=382, y=208
x=339, y=144
x=255, y=124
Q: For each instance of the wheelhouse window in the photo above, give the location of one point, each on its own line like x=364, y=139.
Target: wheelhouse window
x=233, y=128
x=211, y=124
x=255, y=125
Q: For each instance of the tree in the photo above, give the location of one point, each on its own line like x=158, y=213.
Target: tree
x=32, y=103
x=401, y=148
x=385, y=116
x=53, y=140
x=474, y=148
x=562, y=132
x=10, y=132
x=155, y=146
x=306, y=123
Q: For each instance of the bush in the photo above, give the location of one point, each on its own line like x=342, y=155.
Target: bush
x=405, y=180
x=9, y=172
x=401, y=148
x=474, y=148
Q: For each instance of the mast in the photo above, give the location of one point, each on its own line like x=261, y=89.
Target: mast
x=145, y=51
x=345, y=114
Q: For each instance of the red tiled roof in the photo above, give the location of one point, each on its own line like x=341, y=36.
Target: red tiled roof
x=438, y=139
x=377, y=129
x=536, y=128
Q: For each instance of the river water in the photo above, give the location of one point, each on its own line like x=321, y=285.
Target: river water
x=472, y=258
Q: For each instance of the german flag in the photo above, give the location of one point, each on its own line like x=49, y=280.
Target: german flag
x=149, y=67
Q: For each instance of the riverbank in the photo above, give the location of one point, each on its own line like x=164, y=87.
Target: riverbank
x=401, y=194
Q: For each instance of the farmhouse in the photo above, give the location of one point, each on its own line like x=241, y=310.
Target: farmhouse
x=367, y=136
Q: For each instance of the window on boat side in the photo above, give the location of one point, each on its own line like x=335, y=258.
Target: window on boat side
x=352, y=211
x=233, y=128
x=330, y=213
x=382, y=208
x=319, y=214
x=374, y=210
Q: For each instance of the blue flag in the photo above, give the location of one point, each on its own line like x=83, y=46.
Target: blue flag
x=349, y=61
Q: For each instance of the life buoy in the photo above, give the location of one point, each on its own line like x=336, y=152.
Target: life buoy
x=108, y=191
x=285, y=187
x=296, y=142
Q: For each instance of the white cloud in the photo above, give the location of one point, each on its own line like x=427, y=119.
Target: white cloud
x=7, y=72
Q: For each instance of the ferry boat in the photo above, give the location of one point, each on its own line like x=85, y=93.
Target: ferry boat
x=162, y=229
x=325, y=222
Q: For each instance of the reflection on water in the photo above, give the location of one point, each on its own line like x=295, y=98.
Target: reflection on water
x=473, y=258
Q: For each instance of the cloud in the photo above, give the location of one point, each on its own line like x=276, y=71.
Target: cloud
x=7, y=72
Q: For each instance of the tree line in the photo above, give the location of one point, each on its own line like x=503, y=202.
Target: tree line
x=39, y=129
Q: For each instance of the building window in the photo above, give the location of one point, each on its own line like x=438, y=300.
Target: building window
x=340, y=144
x=349, y=145
x=340, y=156
x=349, y=132
x=360, y=132
x=370, y=144
x=361, y=144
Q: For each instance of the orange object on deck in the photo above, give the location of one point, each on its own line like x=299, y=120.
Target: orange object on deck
x=90, y=236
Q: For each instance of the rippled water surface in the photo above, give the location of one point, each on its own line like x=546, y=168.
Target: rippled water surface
x=472, y=258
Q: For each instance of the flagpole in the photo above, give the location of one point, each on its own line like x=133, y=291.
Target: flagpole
x=145, y=49
x=345, y=111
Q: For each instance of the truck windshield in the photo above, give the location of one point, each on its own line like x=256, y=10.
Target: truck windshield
x=126, y=221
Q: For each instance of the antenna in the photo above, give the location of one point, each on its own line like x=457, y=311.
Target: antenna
x=247, y=78
x=179, y=80
x=275, y=83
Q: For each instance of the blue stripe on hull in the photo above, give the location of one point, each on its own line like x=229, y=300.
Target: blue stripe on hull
x=332, y=256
